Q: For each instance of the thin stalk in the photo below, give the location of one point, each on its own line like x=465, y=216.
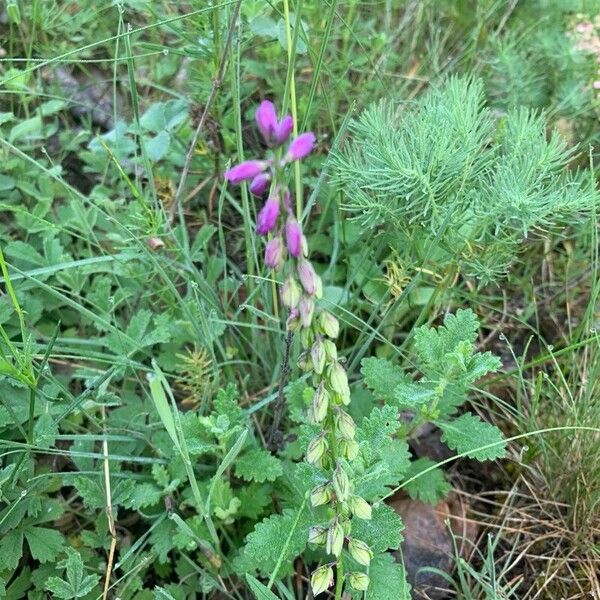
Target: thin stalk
x=292, y=87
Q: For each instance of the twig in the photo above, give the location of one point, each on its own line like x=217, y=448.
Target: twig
x=213, y=93
x=274, y=433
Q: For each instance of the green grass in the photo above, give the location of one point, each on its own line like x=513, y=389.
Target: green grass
x=94, y=455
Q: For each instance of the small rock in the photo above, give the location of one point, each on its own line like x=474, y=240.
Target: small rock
x=427, y=541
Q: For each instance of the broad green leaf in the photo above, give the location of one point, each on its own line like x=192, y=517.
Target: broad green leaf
x=258, y=465
x=383, y=377
x=383, y=531
x=387, y=579
x=428, y=487
x=44, y=544
x=469, y=435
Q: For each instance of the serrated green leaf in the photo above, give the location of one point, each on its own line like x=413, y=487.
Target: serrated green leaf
x=383, y=377
x=429, y=487
x=265, y=544
x=469, y=435
x=413, y=395
x=258, y=465
x=387, y=579
x=383, y=531
x=44, y=544
x=11, y=549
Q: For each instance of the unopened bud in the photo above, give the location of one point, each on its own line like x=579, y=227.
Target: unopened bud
x=360, y=507
x=320, y=494
x=321, y=580
x=317, y=353
x=317, y=535
x=360, y=552
x=335, y=539
x=290, y=292
x=307, y=276
x=348, y=448
x=316, y=449
x=304, y=245
x=307, y=309
x=318, y=287
x=275, y=253
x=320, y=403
x=155, y=243
x=341, y=483
x=330, y=326
x=358, y=581
x=345, y=424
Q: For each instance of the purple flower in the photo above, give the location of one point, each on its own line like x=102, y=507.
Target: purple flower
x=275, y=253
x=246, y=170
x=259, y=184
x=301, y=146
x=293, y=237
x=307, y=276
x=267, y=217
x=283, y=130
x=275, y=132
x=266, y=119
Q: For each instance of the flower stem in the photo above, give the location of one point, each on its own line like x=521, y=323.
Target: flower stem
x=339, y=580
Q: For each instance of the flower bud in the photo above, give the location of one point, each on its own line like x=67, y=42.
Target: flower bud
x=358, y=581
x=341, y=483
x=307, y=276
x=275, y=253
x=360, y=507
x=348, y=448
x=321, y=580
x=330, y=350
x=266, y=119
x=293, y=237
x=155, y=243
x=360, y=552
x=283, y=130
x=246, y=170
x=320, y=403
x=320, y=494
x=290, y=292
x=335, y=539
x=338, y=379
x=317, y=535
x=316, y=449
x=345, y=424
x=330, y=326
x=260, y=184
x=301, y=146
x=317, y=353
x=304, y=245
x=307, y=309
x=267, y=217
x=318, y=287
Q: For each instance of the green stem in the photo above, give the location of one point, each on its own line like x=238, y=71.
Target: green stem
x=339, y=580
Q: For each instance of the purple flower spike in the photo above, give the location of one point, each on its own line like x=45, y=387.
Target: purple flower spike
x=246, y=170
x=283, y=130
x=300, y=147
x=266, y=119
x=259, y=184
x=307, y=277
x=293, y=237
x=267, y=217
x=275, y=253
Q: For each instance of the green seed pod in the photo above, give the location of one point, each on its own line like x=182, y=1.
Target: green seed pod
x=307, y=337
x=345, y=424
x=358, y=581
x=341, y=483
x=348, y=448
x=338, y=379
x=330, y=326
x=305, y=362
x=320, y=403
x=335, y=539
x=291, y=293
x=330, y=350
x=320, y=494
x=316, y=449
x=360, y=552
x=317, y=353
x=321, y=580
x=317, y=535
x=360, y=507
